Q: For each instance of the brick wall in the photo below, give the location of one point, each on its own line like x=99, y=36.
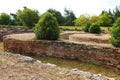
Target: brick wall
x=99, y=55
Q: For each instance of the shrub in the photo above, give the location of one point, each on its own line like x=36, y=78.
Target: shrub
x=95, y=28
x=115, y=34
x=5, y=19
x=47, y=27
x=86, y=27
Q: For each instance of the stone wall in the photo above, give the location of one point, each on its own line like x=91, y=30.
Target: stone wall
x=97, y=54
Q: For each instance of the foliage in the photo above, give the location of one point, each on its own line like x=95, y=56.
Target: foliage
x=69, y=17
x=86, y=27
x=14, y=20
x=115, y=34
x=95, y=28
x=82, y=20
x=116, y=12
x=47, y=27
x=94, y=19
x=58, y=16
x=105, y=19
x=111, y=16
x=5, y=19
x=71, y=28
x=28, y=17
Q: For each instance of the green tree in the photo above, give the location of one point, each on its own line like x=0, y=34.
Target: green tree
x=116, y=12
x=111, y=16
x=57, y=14
x=69, y=17
x=47, y=27
x=28, y=17
x=94, y=19
x=5, y=19
x=14, y=19
x=82, y=20
x=115, y=34
x=105, y=19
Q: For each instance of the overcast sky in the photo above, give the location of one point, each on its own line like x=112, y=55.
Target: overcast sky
x=92, y=7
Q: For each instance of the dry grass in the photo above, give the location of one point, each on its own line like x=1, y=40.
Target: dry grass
x=12, y=68
x=1, y=46
x=70, y=64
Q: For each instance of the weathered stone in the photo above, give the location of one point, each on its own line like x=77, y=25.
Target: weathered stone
x=37, y=70
x=97, y=54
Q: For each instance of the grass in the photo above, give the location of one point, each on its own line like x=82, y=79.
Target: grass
x=105, y=28
x=7, y=26
x=70, y=64
x=78, y=28
x=72, y=28
x=1, y=46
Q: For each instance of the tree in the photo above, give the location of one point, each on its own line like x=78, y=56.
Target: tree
x=69, y=17
x=94, y=19
x=5, y=19
x=58, y=15
x=105, y=19
x=28, y=17
x=111, y=16
x=47, y=27
x=14, y=19
x=116, y=12
x=82, y=20
x=115, y=34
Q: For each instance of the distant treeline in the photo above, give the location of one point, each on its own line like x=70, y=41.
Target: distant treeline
x=29, y=17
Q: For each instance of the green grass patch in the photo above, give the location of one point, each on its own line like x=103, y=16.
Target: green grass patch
x=78, y=28
x=72, y=28
x=11, y=26
x=105, y=28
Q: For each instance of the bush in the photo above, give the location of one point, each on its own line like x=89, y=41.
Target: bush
x=47, y=27
x=5, y=19
x=86, y=27
x=115, y=34
x=95, y=28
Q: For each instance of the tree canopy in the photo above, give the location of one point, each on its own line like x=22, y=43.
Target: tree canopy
x=69, y=17
x=28, y=17
x=5, y=19
x=58, y=15
x=105, y=19
x=82, y=20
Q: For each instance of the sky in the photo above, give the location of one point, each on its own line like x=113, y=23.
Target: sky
x=91, y=7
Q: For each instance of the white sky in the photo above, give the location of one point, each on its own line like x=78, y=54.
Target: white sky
x=92, y=7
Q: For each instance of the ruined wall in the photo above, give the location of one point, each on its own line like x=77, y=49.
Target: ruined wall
x=5, y=31
x=99, y=55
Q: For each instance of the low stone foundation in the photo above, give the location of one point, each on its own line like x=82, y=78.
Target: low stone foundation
x=97, y=54
x=9, y=30
x=95, y=38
